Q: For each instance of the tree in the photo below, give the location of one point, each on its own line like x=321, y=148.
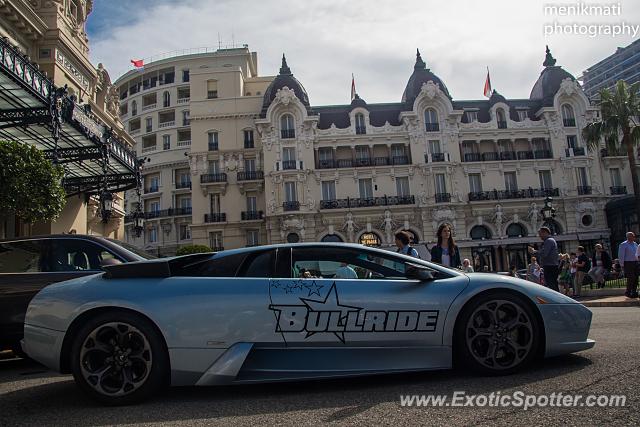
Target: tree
x=618, y=126
x=30, y=185
x=193, y=249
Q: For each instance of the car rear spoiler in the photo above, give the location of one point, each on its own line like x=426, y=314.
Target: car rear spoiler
x=166, y=267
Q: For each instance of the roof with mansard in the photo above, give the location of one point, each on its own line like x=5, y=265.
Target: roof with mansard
x=421, y=75
x=284, y=78
x=547, y=85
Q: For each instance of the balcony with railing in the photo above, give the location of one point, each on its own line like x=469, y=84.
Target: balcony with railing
x=502, y=124
x=443, y=197
x=569, y=123
x=472, y=157
x=528, y=193
x=525, y=155
x=584, y=190
x=215, y=217
x=149, y=148
x=349, y=203
x=184, y=143
x=151, y=189
x=167, y=124
x=249, y=143
x=288, y=164
x=508, y=155
x=543, y=154
x=618, y=190
x=326, y=164
x=361, y=130
x=213, y=146
x=183, y=184
x=380, y=161
x=400, y=160
x=251, y=215
x=606, y=152
x=363, y=162
x=149, y=106
x=213, y=178
x=577, y=151
x=345, y=163
x=291, y=206
x=250, y=175
x=490, y=156
x=184, y=100
x=163, y=213
x=287, y=133
x=432, y=127
x=435, y=157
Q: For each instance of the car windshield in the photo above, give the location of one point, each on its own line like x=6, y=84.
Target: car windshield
x=133, y=249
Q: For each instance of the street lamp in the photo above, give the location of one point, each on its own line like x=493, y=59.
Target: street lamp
x=138, y=222
x=106, y=204
x=548, y=212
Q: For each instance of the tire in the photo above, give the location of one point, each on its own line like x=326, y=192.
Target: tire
x=497, y=334
x=119, y=358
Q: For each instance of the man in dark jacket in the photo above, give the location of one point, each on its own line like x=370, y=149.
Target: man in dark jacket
x=600, y=265
x=548, y=256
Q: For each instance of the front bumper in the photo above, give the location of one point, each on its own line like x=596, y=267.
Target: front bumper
x=566, y=328
x=43, y=345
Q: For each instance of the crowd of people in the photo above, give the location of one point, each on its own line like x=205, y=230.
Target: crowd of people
x=568, y=273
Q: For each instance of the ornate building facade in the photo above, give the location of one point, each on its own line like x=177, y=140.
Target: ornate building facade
x=361, y=172
x=45, y=41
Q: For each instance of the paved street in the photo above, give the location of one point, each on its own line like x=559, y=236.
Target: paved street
x=31, y=396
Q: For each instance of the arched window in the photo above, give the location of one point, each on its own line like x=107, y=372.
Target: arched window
x=361, y=129
x=431, y=120
x=370, y=239
x=331, y=238
x=516, y=230
x=166, y=99
x=287, y=126
x=480, y=232
x=134, y=108
x=502, y=121
x=568, y=116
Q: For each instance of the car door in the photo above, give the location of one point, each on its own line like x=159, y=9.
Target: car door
x=376, y=320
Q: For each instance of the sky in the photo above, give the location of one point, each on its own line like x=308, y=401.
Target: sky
x=326, y=41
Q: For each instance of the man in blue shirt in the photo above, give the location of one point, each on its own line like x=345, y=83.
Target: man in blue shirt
x=548, y=256
x=345, y=272
x=628, y=256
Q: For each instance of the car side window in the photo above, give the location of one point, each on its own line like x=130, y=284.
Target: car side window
x=224, y=266
x=21, y=257
x=259, y=264
x=345, y=264
x=74, y=255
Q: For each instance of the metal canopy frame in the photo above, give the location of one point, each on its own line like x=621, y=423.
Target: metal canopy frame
x=33, y=111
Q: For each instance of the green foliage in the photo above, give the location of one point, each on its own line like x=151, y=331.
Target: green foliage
x=30, y=185
x=193, y=249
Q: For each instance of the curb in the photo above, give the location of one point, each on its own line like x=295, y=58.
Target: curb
x=630, y=303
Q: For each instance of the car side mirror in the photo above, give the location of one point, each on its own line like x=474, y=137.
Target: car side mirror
x=415, y=272
x=109, y=261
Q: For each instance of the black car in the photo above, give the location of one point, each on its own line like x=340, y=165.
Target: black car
x=29, y=264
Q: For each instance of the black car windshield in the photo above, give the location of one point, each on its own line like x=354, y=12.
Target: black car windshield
x=136, y=251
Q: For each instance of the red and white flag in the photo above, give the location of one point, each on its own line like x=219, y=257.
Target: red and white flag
x=138, y=63
x=487, y=85
x=353, y=88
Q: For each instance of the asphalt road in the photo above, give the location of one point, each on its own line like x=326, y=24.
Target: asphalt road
x=29, y=395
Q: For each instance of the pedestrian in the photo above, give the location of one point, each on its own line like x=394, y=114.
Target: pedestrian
x=345, y=272
x=564, y=278
x=533, y=271
x=548, y=256
x=402, y=242
x=466, y=266
x=600, y=266
x=573, y=259
x=582, y=267
x=628, y=254
x=616, y=269
x=445, y=252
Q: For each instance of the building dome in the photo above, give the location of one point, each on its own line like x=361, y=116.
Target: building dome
x=495, y=98
x=284, y=78
x=421, y=74
x=358, y=102
x=549, y=81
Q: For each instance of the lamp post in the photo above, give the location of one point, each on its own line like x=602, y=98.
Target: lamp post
x=548, y=212
x=138, y=221
x=106, y=205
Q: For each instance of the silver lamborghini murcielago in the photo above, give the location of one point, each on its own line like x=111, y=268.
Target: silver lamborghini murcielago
x=290, y=312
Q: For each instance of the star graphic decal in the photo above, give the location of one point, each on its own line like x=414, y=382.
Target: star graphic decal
x=275, y=284
x=331, y=303
x=313, y=288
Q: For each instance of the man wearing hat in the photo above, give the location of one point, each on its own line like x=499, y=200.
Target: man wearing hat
x=548, y=257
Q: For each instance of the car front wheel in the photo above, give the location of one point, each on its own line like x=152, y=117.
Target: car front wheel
x=498, y=334
x=119, y=358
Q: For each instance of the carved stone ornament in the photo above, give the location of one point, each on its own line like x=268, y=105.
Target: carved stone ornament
x=285, y=95
x=430, y=89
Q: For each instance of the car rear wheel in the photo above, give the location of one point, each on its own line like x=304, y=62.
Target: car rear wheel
x=497, y=334
x=119, y=358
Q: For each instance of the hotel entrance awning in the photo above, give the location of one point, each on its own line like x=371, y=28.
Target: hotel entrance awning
x=33, y=111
